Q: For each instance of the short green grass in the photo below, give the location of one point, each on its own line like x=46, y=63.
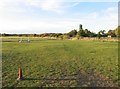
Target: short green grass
x=55, y=58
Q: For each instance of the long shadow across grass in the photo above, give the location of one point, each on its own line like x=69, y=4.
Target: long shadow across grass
x=82, y=78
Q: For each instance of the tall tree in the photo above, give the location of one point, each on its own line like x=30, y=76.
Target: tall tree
x=81, y=32
x=80, y=27
x=103, y=34
x=72, y=33
x=99, y=35
x=117, y=31
x=111, y=33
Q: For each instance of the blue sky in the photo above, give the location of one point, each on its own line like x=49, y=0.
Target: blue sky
x=36, y=16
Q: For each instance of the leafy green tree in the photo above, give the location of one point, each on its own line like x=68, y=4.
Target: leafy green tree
x=66, y=36
x=88, y=33
x=111, y=33
x=58, y=34
x=77, y=36
x=99, y=35
x=117, y=31
x=61, y=37
x=80, y=27
x=92, y=34
x=35, y=35
x=72, y=33
x=4, y=34
x=81, y=32
x=102, y=32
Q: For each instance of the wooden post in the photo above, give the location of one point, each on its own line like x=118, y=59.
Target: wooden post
x=20, y=77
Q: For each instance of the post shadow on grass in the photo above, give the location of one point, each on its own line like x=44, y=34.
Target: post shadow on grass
x=52, y=79
x=90, y=78
x=87, y=77
x=31, y=79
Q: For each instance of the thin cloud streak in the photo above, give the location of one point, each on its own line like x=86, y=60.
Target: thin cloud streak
x=12, y=20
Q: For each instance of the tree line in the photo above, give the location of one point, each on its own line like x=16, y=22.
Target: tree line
x=73, y=33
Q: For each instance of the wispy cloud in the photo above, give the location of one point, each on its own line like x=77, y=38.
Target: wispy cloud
x=52, y=6
x=56, y=6
x=13, y=17
x=111, y=13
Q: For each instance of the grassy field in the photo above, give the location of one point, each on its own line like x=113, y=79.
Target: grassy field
x=59, y=63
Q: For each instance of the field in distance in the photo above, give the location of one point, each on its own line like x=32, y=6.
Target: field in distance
x=59, y=63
